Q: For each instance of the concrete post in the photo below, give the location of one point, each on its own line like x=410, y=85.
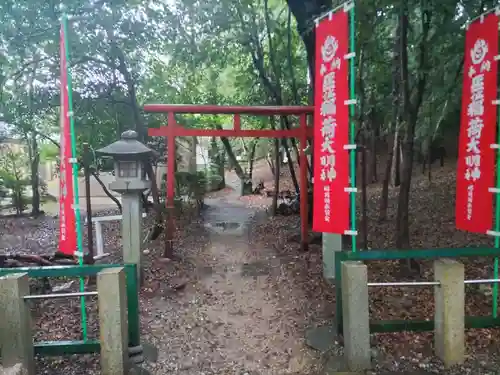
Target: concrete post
x=449, y=325
x=16, y=340
x=332, y=243
x=99, y=241
x=132, y=230
x=113, y=323
x=356, y=315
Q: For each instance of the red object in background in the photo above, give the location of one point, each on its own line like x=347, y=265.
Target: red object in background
x=67, y=230
x=476, y=158
x=172, y=130
x=331, y=125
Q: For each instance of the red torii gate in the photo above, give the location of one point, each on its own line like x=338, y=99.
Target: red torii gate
x=172, y=130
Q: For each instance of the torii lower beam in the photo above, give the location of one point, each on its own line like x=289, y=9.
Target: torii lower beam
x=172, y=130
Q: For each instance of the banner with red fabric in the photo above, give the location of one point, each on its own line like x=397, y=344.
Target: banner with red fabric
x=67, y=230
x=476, y=158
x=331, y=125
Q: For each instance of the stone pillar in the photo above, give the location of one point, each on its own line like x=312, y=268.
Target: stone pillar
x=356, y=316
x=332, y=243
x=113, y=323
x=132, y=230
x=449, y=319
x=16, y=339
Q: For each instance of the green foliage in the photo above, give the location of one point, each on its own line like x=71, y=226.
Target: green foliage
x=49, y=152
x=14, y=178
x=125, y=53
x=192, y=185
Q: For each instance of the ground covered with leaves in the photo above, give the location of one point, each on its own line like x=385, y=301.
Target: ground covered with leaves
x=432, y=226
x=223, y=306
x=242, y=303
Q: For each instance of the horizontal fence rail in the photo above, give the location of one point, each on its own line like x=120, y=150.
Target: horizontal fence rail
x=385, y=326
x=58, y=348
x=420, y=254
x=405, y=283
x=60, y=295
x=482, y=281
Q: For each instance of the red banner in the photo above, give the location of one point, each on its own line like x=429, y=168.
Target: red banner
x=476, y=158
x=331, y=125
x=67, y=230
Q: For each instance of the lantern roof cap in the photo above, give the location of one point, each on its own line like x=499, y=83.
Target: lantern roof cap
x=126, y=147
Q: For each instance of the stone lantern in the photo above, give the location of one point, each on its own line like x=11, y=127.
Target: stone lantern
x=130, y=181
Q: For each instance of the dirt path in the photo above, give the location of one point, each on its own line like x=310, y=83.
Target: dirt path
x=241, y=315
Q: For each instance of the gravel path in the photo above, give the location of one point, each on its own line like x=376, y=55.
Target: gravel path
x=239, y=315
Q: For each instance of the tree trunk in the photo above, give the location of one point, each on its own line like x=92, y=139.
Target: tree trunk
x=251, y=159
x=394, y=125
x=410, y=112
x=273, y=86
x=384, y=199
x=364, y=198
x=402, y=220
x=118, y=54
x=106, y=190
x=291, y=167
x=271, y=161
x=305, y=11
x=277, y=157
x=396, y=164
x=192, y=163
x=87, y=161
x=290, y=62
x=35, y=179
x=373, y=146
x=216, y=166
x=246, y=183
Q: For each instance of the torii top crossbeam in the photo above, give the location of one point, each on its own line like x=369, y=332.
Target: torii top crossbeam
x=229, y=109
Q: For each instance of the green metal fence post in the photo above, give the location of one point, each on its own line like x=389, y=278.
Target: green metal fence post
x=339, y=320
x=497, y=226
x=76, y=202
x=59, y=348
x=352, y=113
x=133, y=305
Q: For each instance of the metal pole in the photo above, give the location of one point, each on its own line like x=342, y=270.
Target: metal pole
x=482, y=281
x=494, y=295
x=352, y=121
x=429, y=283
x=60, y=295
x=304, y=186
x=76, y=201
x=405, y=283
x=89, y=259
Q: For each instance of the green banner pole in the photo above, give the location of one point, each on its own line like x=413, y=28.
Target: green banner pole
x=497, y=228
x=352, y=113
x=76, y=200
x=497, y=219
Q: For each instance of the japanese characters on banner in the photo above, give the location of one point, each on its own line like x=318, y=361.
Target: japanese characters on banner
x=67, y=230
x=476, y=158
x=331, y=125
